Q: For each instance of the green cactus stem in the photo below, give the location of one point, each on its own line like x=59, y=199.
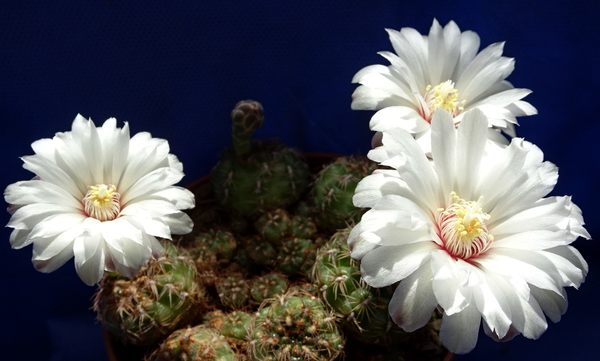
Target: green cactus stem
x=259, y=252
x=302, y=227
x=199, y=343
x=332, y=192
x=362, y=309
x=274, y=226
x=296, y=256
x=161, y=298
x=234, y=291
x=294, y=326
x=261, y=175
x=268, y=286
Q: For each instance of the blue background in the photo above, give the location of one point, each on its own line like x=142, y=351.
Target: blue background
x=176, y=68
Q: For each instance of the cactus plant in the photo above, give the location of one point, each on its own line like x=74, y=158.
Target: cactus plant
x=332, y=191
x=274, y=225
x=363, y=309
x=233, y=290
x=258, y=176
x=199, y=343
x=161, y=298
x=296, y=256
x=294, y=326
x=268, y=286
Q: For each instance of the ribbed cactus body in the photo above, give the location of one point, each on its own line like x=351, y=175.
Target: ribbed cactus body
x=255, y=176
x=269, y=176
x=199, y=343
x=296, y=256
x=234, y=291
x=268, y=286
x=274, y=225
x=362, y=309
x=216, y=243
x=161, y=298
x=294, y=326
x=332, y=192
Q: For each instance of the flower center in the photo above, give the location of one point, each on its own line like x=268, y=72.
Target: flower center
x=102, y=202
x=444, y=96
x=462, y=228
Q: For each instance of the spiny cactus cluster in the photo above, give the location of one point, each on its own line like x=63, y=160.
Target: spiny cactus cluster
x=161, y=298
x=294, y=326
x=276, y=278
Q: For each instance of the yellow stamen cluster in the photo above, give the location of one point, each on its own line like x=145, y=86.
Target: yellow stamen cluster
x=102, y=202
x=462, y=228
x=444, y=96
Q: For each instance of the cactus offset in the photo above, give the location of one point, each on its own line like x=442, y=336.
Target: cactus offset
x=161, y=298
x=199, y=343
x=234, y=291
x=363, y=309
x=268, y=286
x=274, y=225
x=247, y=116
x=296, y=256
x=294, y=326
x=332, y=192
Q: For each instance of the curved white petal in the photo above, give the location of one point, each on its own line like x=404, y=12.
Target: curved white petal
x=459, y=331
x=413, y=301
x=384, y=266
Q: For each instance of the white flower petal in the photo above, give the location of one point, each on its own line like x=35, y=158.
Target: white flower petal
x=459, y=331
x=398, y=116
x=554, y=305
x=156, y=180
x=57, y=261
x=413, y=166
x=384, y=266
x=443, y=149
x=471, y=140
x=49, y=172
x=449, y=281
x=89, y=253
x=37, y=191
x=45, y=249
x=527, y=265
x=493, y=305
x=373, y=187
x=413, y=301
x=55, y=224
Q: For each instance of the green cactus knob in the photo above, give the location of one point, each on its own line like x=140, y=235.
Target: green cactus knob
x=332, y=192
x=161, y=298
x=294, y=326
x=199, y=343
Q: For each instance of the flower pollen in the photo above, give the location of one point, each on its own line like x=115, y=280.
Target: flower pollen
x=444, y=96
x=102, y=202
x=462, y=228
